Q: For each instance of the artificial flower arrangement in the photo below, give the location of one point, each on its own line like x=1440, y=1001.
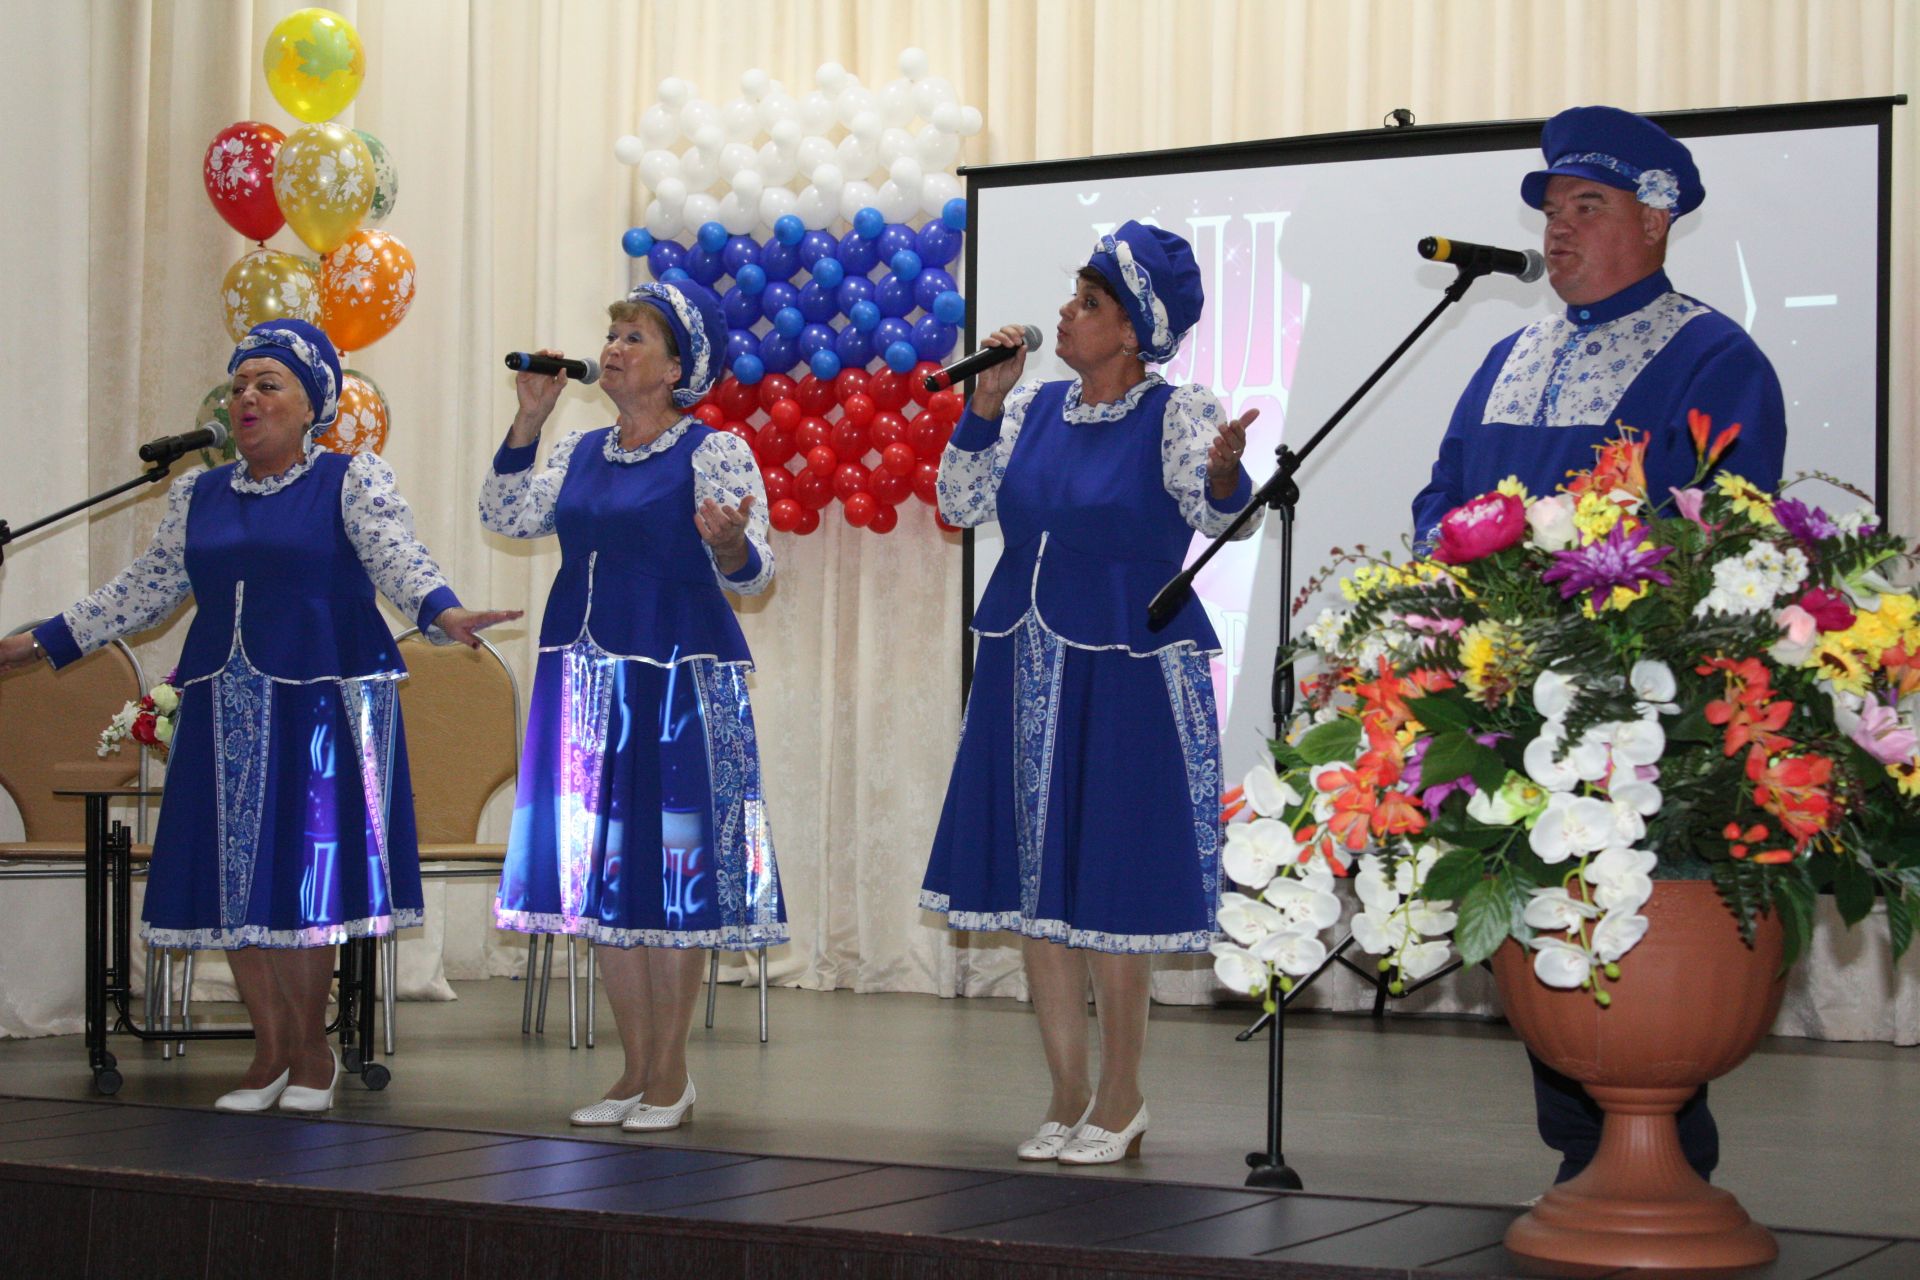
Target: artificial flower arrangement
x=1571, y=695
x=150, y=720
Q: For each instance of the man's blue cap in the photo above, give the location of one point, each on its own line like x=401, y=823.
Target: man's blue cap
x=1617, y=149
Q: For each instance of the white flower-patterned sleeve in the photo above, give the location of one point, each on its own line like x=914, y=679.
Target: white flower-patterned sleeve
x=1192, y=420
x=520, y=503
x=970, y=478
x=147, y=590
x=724, y=470
x=380, y=525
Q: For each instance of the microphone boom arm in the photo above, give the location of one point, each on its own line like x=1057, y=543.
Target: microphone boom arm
x=152, y=475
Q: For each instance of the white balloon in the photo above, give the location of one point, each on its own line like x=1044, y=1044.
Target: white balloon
x=913, y=62
x=775, y=204
x=812, y=152
x=855, y=196
x=786, y=133
x=928, y=94
x=699, y=210
x=748, y=184
x=737, y=215
x=946, y=117
x=659, y=126
x=734, y=157
x=971, y=121
x=935, y=149
x=775, y=107
x=827, y=176
x=741, y=120
x=895, y=201
x=856, y=158
x=697, y=114
x=755, y=83
x=906, y=172
x=895, y=102
x=674, y=92
x=935, y=190
x=853, y=101
x=698, y=168
x=814, y=208
x=776, y=165
x=817, y=114
x=670, y=193
x=628, y=149
x=895, y=143
x=661, y=223
x=710, y=138
x=867, y=127
x=656, y=165
x=831, y=77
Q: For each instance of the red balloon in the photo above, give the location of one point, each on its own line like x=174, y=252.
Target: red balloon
x=784, y=515
x=812, y=490
x=885, y=519
x=709, y=414
x=742, y=430
x=238, y=175
x=926, y=483
x=774, y=387
x=947, y=406
x=736, y=398
x=813, y=432
x=809, y=521
x=917, y=382
x=887, y=389
x=889, y=428
x=850, y=440
x=857, y=408
x=860, y=509
x=814, y=395
x=785, y=412
x=890, y=488
x=775, y=446
x=779, y=482
x=929, y=436
x=850, y=480
x=899, y=459
x=850, y=382
x=823, y=459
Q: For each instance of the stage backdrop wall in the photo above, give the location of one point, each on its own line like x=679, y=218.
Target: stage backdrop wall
x=501, y=117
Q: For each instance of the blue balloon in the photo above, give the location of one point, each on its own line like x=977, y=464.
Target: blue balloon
x=852, y=290
x=749, y=369
x=779, y=260
x=931, y=339
x=740, y=251
x=950, y=308
x=739, y=307
x=897, y=236
x=863, y=316
x=815, y=337
x=901, y=357
x=853, y=347
x=664, y=257
x=825, y=364
x=829, y=272
x=776, y=295
x=890, y=331
x=954, y=213
x=788, y=229
x=817, y=245
x=704, y=265
x=857, y=254
x=777, y=352
x=674, y=275
x=869, y=222
x=894, y=295
x=929, y=285
x=905, y=264
x=752, y=278
x=816, y=302
x=937, y=243
x=636, y=242
x=712, y=237
x=740, y=342
x=788, y=322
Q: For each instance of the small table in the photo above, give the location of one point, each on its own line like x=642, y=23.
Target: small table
x=109, y=943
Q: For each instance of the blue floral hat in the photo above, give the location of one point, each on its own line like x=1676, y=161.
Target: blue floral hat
x=1618, y=149
x=308, y=355
x=699, y=330
x=1153, y=274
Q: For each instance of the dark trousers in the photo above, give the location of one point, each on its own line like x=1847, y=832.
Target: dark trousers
x=1570, y=1123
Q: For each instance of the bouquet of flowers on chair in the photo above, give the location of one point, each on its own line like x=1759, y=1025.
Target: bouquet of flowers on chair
x=149, y=720
x=1569, y=696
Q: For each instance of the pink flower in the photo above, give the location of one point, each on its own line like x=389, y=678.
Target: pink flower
x=1475, y=530
x=1829, y=608
x=1882, y=734
x=1688, y=503
x=1798, y=635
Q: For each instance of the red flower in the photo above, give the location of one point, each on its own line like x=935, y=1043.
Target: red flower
x=1792, y=789
x=1747, y=712
x=1475, y=530
x=143, y=728
x=1618, y=464
x=1698, y=425
x=1831, y=610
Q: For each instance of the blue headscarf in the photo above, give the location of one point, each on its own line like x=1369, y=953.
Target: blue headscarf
x=699, y=330
x=1153, y=274
x=308, y=355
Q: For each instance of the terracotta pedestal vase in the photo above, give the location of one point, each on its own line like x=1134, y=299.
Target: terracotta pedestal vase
x=1692, y=1002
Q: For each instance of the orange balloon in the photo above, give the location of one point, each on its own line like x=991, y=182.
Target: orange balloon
x=366, y=287
x=362, y=424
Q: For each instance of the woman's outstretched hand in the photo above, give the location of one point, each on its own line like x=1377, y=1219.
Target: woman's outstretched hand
x=725, y=530
x=465, y=625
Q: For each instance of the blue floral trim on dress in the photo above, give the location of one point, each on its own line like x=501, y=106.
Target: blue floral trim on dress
x=372, y=706
x=254, y=935
x=1189, y=678
x=1039, y=661
x=242, y=736
x=748, y=890
x=1560, y=374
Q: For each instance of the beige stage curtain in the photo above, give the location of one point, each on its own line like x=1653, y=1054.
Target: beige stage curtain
x=501, y=115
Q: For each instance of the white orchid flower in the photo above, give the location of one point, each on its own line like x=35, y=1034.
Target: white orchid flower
x=1247, y=920
x=1238, y=970
x=1378, y=932
x=1622, y=879
x=1492, y=808
x=1422, y=959
x=1617, y=933
x=1637, y=742
x=1641, y=797
x=1255, y=851
x=1431, y=920
x=1373, y=888
x=1653, y=684
x=1566, y=772
x=1268, y=792
x=1555, y=909
x=1294, y=952
x=1572, y=825
x=1302, y=905
x=1553, y=694
x=1561, y=964
x=1628, y=826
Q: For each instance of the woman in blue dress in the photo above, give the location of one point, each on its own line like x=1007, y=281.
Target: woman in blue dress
x=1084, y=808
x=287, y=826
x=640, y=823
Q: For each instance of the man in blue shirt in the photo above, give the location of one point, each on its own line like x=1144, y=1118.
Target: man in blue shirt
x=1628, y=350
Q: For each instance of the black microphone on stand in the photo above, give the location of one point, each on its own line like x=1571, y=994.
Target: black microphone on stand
x=980, y=361
x=578, y=370
x=169, y=448
x=1525, y=263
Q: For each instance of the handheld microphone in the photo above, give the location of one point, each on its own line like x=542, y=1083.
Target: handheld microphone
x=169, y=448
x=578, y=370
x=1525, y=263
x=980, y=361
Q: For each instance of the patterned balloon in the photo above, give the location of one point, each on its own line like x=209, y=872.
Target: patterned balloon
x=366, y=286
x=213, y=409
x=323, y=180
x=363, y=421
x=238, y=173
x=386, y=178
x=314, y=63
x=269, y=285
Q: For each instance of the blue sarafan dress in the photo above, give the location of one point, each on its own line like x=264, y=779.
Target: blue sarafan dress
x=1084, y=806
x=288, y=815
x=639, y=819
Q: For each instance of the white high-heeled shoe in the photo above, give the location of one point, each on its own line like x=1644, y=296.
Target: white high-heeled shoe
x=1094, y=1145
x=253, y=1099
x=606, y=1113
x=645, y=1118
x=1048, y=1140
x=300, y=1098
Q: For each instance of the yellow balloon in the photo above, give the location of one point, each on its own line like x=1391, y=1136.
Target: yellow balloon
x=269, y=285
x=315, y=64
x=323, y=181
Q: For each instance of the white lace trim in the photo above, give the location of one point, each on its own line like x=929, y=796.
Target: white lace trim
x=1077, y=410
x=726, y=938
x=1061, y=931
x=256, y=935
x=640, y=453
x=243, y=482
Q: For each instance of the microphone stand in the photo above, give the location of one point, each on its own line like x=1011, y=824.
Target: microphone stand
x=1269, y=1167
x=155, y=473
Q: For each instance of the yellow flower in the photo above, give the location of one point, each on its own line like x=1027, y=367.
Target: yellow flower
x=1748, y=500
x=1494, y=661
x=1839, y=664
x=1617, y=600
x=1907, y=774
x=1595, y=517
x=1512, y=487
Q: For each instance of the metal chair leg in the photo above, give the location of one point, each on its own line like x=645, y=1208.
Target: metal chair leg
x=166, y=1003
x=152, y=985
x=590, y=1001
x=186, y=1003
x=763, y=993
x=546, y=980
x=713, y=983
x=573, y=1001
x=533, y=969
x=389, y=982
